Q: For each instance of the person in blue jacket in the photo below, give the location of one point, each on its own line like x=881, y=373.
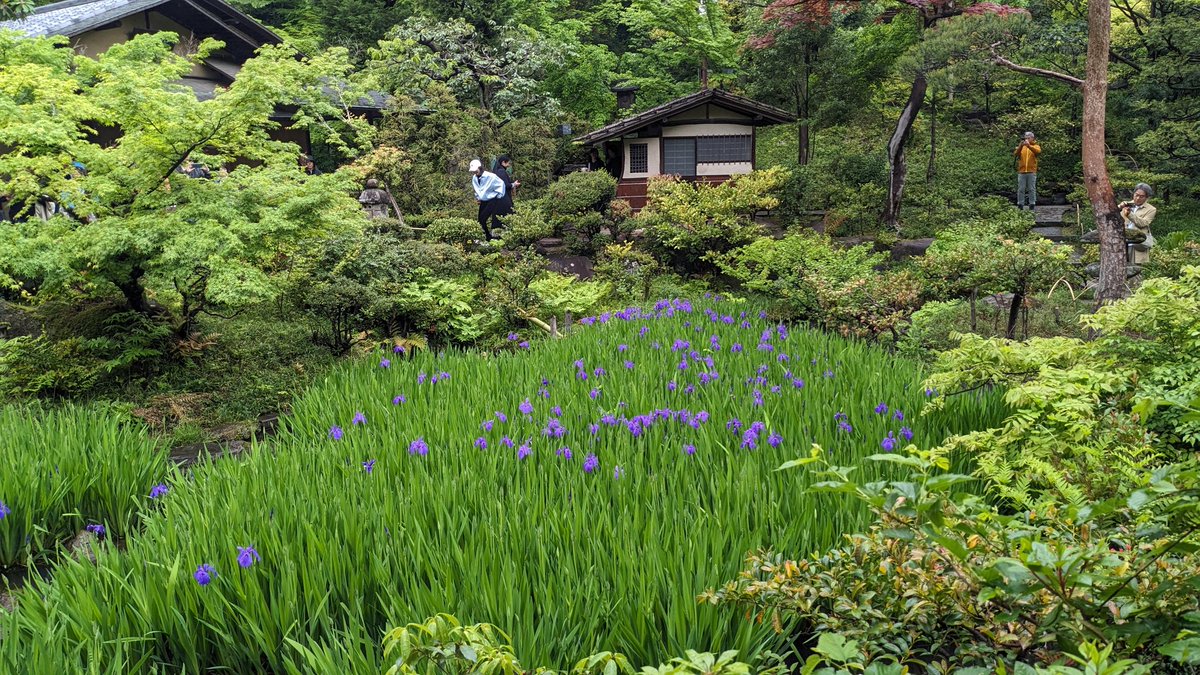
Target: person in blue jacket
x=489, y=193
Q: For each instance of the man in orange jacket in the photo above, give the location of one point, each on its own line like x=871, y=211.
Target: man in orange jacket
x=1027, y=158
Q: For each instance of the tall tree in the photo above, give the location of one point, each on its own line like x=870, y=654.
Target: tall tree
x=131, y=223
x=699, y=29
x=1094, y=87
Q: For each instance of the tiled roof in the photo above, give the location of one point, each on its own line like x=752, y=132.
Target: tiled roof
x=760, y=112
x=72, y=17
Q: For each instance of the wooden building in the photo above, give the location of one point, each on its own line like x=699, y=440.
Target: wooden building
x=95, y=25
x=707, y=136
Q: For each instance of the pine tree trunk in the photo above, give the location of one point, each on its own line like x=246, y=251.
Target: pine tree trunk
x=1111, y=285
x=897, y=167
x=931, y=170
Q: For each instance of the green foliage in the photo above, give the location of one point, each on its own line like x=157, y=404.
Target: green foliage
x=133, y=225
x=1172, y=254
x=68, y=468
x=580, y=192
x=125, y=346
x=631, y=271
x=818, y=281
x=1081, y=410
x=685, y=221
x=454, y=231
x=526, y=225
x=418, y=534
x=931, y=329
x=955, y=581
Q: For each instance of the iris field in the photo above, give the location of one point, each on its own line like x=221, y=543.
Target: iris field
x=579, y=494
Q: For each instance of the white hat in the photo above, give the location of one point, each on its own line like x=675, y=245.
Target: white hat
x=476, y=165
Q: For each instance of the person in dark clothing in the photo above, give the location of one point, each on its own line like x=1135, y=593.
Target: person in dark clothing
x=503, y=169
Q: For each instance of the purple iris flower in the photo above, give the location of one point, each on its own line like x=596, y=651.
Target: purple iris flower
x=556, y=411
x=397, y=349
x=629, y=365
x=930, y=392
x=595, y=394
x=643, y=331
x=564, y=452
x=689, y=389
x=702, y=416
x=776, y=389
x=622, y=348
x=845, y=426
x=766, y=347
x=335, y=432
x=906, y=433
x=881, y=409
x=599, y=372
x=369, y=465
x=97, y=530
x=523, y=344
x=898, y=416
x=582, y=375
x=359, y=418
x=594, y=428
x=758, y=397
x=745, y=324
x=590, y=463
x=247, y=556
x=828, y=373
x=513, y=337
x=736, y=348
x=399, y=399
x=774, y=440
x=481, y=443
x=544, y=393
x=435, y=378
x=487, y=425
x=798, y=383
x=888, y=443
x=733, y=424
x=526, y=407
x=418, y=447
x=671, y=385
x=157, y=492
x=524, y=451
x=204, y=574
x=421, y=377
x=618, y=472
x=608, y=420
x=506, y=442
x=384, y=363
x=689, y=449
x=655, y=345
x=501, y=416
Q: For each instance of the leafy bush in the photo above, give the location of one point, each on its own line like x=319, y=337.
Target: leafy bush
x=1171, y=254
x=454, y=231
x=580, y=192
x=526, y=225
x=66, y=469
x=953, y=580
x=1078, y=429
x=104, y=350
x=630, y=270
x=384, y=285
x=820, y=282
x=931, y=330
x=580, y=231
x=685, y=221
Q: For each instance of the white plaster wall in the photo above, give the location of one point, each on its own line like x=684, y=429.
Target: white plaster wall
x=723, y=168
x=652, y=158
x=708, y=130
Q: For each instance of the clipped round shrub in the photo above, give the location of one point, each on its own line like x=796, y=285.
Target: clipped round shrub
x=579, y=231
x=454, y=231
x=580, y=192
x=525, y=225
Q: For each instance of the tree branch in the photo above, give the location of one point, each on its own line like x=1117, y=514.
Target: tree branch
x=1039, y=72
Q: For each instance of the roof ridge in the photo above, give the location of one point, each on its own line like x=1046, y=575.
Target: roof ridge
x=62, y=4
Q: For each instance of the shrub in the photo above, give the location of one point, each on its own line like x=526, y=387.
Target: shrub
x=956, y=581
x=84, y=351
x=684, y=221
x=526, y=225
x=454, y=231
x=1171, y=254
x=580, y=192
x=630, y=270
x=579, y=231
x=835, y=287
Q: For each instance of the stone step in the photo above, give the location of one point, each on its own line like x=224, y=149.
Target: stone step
x=1053, y=213
x=1060, y=233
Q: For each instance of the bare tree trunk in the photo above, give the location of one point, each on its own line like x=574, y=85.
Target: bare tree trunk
x=897, y=167
x=804, y=129
x=1111, y=285
x=1014, y=310
x=703, y=73
x=931, y=170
